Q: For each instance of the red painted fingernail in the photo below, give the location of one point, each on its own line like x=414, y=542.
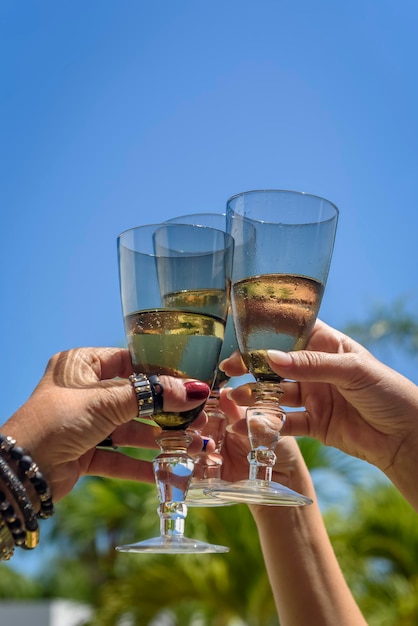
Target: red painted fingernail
x=196, y=390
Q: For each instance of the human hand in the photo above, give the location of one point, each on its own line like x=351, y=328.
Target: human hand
x=83, y=398
x=290, y=468
x=351, y=400
x=293, y=539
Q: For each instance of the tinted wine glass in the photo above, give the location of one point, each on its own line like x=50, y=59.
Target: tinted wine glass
x=277, y=288
x=208, y=464
x=174, y=284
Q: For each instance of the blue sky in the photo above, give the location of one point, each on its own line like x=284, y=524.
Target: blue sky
x=120, y=113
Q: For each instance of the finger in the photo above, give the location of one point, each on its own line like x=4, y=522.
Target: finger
x=122, y=404
x=113, y=464
x=297, y=424
x=242, y=395
x=235, y=415
x=136, y=435
x=292, y=394
x=200, y=421
x=229, y=407
x=325, y=338
x=344, y=370
x=181, y=395
x=82, y=366
x=142, y=434
x=201, y=441
x=233, y=365
x=197, y=442
x=110, y=363
x=238, y=428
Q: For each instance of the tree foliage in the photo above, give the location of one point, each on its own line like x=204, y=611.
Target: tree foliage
x=388, y=325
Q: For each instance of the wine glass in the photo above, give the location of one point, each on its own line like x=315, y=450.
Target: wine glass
x=208, y=463
x=174, y=284
x=276, y=293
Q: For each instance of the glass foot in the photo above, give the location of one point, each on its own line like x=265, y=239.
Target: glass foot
x=197, y=496
x=259, y=492
x=172, y=545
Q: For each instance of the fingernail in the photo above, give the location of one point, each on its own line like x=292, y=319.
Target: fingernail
x=280, y=358
x=107, y=443
x=229, y=393
x=196, y=390
x=230, y=429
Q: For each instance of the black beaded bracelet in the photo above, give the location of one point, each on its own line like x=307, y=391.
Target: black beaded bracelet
x=20, y=496
x=12, y=521
x=29, y=469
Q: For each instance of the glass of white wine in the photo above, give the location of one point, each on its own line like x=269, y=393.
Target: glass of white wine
x=208, y=463
x=175, y=287
x=277, y=288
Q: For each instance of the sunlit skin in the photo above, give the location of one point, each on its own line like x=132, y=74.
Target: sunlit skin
x=350, y=400
x=294, y=540
x=84, y=397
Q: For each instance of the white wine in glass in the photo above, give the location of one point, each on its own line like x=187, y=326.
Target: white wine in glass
x=277, y=289
x=175, y=286
x=209, y=462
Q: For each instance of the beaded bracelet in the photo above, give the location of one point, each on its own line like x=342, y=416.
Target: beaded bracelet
x=12, y=521
x=29, y=469
x=7, y=544
x=22, y=500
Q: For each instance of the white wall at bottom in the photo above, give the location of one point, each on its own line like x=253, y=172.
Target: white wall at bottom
x=43, y=613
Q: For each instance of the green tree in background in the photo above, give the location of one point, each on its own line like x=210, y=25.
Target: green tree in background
x=219, y=590
x=377, y=546
x=388, y=325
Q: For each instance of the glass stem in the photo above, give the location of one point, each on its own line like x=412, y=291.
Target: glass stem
x=208, y=465
x=173, y=470
x=265, y=420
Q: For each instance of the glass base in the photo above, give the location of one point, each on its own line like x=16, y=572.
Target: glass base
x=173, y=545
x=197, y=496
x=259, y=492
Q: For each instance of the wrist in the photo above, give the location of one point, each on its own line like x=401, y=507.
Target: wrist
x=403, y=470
x=25, y=497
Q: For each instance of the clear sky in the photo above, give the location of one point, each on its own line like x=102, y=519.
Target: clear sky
x=116, y=113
